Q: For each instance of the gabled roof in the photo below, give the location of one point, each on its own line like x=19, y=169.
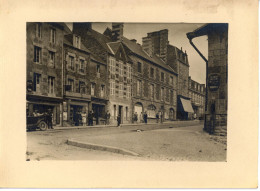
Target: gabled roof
x=138, y=50
x=102, y=39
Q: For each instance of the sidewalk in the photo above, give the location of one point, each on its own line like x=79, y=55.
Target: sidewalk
x=173, y=123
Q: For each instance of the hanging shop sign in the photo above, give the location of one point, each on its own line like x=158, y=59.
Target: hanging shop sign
x=213, y=82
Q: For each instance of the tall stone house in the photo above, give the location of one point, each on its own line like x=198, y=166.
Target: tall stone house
x=44, y=66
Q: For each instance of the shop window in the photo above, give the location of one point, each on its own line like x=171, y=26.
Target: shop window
x=51, y=83
x=52, y=35
x=151, y=111
x=37, y=82
x=37, y=54
x=38, y=30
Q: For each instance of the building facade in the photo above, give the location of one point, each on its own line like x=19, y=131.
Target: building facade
x=44, y=63
x=197, y=95
x=217, y=75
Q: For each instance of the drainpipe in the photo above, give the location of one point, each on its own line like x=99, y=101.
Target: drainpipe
x=190, y=36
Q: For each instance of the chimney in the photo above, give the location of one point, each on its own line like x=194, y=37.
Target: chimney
x=81, y=28
x=117, y=31
x=133, y=40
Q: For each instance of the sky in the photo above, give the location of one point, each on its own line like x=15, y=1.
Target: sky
x=176, y=36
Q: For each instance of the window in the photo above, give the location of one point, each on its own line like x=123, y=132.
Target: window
x=71, y=84
x=121, y=69
x=139, y=67
x=151, y=72
x=171, y=97
x=51, y=81
x=71, y=62
x=92, y=89
x=51, y=58
x=77, y=41
x=162, y=94
x=112, y=87
x=152, y=91
x=121, y=90
x=98, y=71
x=36, y=82
x=37, y=54
x=162, y=76
x=128, y=93
x=53, y=35
x=129, y=72
x=81, y=65
x=81, y=87
x=171, y=80
x=139, y=87
x=112, y=65
x=38, y=30
x=102, y=92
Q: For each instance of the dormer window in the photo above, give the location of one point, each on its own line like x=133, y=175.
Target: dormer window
x=76, y=41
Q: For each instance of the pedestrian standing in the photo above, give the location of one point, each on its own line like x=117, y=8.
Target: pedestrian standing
x=161, y=116
x=118, y=120
x=49, y=119
x=107, y=117
x=157, y=117
x=89, y=118
x=145, y=117
x=136, y=117
x=84, y=118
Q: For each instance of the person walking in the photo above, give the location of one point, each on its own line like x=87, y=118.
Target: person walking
x=118, y=120
x=107, y=117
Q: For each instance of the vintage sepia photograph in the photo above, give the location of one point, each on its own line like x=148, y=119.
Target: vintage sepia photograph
x=126, y=91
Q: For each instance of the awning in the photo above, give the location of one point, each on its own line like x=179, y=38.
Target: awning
x=186, y=104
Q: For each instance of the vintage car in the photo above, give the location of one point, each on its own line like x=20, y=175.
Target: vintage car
x=37, y=122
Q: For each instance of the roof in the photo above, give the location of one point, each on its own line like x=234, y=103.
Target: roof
x=68, y=39
x=138, y=50
x=205, y=29
x=102, y=39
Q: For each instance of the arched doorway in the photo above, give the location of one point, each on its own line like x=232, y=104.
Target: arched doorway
x=138, y=108
x=171, y=114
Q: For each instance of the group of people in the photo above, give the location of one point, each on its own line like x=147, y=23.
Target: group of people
x=142, y=118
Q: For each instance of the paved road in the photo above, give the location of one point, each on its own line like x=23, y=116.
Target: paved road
x=155, y=142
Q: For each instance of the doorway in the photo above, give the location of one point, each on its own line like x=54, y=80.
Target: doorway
x=120, y=112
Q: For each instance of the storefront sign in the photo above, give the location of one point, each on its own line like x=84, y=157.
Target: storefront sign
x=213, y=82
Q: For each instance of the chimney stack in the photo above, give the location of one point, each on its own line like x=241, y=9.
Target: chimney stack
x=117, y=31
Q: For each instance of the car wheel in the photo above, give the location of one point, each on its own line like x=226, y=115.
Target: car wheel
x=43, y=126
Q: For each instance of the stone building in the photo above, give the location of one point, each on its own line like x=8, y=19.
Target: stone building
x=44, y=45
x=197, y=95
x=154, y=83
x=85, y=81
x=217, y=75
x=157, y=43
x=119, y=68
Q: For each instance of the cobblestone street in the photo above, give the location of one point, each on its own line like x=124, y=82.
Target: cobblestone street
x=151, y=142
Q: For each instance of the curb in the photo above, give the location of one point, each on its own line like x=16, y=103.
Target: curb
x=101, y=147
